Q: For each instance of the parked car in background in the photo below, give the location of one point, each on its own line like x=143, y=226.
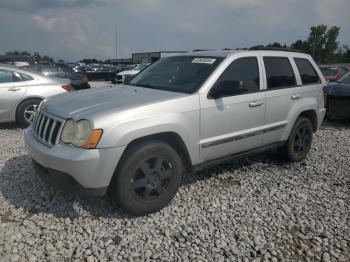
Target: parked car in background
x=338, y=98
x=182, y=113
x=100, y=72
x=21, y=91
x=125, y=76
x=77, y=81
x=333, y=72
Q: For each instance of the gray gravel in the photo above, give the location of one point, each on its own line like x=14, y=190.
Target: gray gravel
x=256, y=209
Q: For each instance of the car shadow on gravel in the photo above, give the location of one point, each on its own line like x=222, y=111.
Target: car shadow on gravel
x=22, y=188
x=10, y=126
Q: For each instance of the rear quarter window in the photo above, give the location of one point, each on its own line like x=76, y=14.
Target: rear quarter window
x=279, y=73
x=307, y=72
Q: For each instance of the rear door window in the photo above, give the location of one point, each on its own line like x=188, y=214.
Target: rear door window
x=279, y=73
x=307, y=72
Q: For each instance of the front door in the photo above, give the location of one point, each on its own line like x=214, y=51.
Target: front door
x=12, y=90
x=233, y=122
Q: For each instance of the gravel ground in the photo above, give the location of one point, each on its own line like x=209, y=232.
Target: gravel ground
x=256, y=209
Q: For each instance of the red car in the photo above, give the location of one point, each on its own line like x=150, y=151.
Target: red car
x=333, y=73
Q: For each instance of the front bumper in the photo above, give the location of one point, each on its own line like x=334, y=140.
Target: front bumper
x=81, y=171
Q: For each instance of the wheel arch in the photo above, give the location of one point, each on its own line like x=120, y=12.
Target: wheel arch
x=171, y=138
x=312, y=116
x=14, y=113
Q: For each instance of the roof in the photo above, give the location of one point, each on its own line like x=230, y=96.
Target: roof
x=226, y=53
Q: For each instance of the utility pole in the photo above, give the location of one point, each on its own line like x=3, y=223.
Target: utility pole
x=116, y=41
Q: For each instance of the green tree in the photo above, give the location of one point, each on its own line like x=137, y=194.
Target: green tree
x=90, y=61
x=275, y=45
x=331, y=44
x=301, y=45
x=317, y=40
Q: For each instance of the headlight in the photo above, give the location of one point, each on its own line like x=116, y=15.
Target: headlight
x=80, y=134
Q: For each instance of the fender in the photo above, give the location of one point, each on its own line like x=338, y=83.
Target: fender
x=305, y=104
x=186, y=125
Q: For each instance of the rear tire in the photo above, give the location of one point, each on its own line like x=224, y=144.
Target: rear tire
x=147, y=178
x=26, y=111
x=299, y=141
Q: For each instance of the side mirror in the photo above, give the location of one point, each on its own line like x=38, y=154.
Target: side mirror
x=226, y=88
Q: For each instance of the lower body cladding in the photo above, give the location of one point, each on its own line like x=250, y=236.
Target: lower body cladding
x=80, y=171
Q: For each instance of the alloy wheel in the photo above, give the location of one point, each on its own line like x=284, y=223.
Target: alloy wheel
x=30, y=112
x=301, y=140
x=152, y=178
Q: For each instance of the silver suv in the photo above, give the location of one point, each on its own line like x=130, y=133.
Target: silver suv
x=180, y=114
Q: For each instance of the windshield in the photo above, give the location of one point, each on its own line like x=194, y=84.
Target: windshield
x=182, y=74
x=329, y=71
x=345, y=79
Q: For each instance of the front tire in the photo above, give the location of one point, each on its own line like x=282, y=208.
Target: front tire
x=26, y=111
x=299, y=141
x=147, y=178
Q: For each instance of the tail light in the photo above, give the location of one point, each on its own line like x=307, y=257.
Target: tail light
x=68, y=88
x=85, y=78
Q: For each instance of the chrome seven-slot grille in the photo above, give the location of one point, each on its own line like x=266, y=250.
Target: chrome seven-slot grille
x=47, y=128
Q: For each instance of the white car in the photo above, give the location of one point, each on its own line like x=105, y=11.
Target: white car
x=21, y=91
x=181, y=114
x=125, y=76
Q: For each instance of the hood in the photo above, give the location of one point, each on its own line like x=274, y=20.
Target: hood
x=339, y=89
x=129, y=72
x=86, y=103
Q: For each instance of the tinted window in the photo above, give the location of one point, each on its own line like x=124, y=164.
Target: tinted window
x=279, y=72
x=345, y=79
x=5, y=76
x=343, y=71
x=307, y=72
x=241, y=77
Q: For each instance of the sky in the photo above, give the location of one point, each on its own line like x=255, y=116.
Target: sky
x=76, y=29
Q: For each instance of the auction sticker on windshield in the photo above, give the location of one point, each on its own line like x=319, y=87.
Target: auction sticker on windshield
x=203, y=61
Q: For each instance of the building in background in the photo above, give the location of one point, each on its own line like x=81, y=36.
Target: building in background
x=122, y=61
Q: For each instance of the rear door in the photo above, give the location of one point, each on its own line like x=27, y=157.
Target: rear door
x=232, y=123
x=12, y=89
x=281, y=93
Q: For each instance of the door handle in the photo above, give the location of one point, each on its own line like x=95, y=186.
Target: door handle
x=14, y=89
x=295, y=97
x=256, y=103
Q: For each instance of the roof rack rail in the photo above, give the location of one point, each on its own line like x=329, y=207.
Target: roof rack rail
x=275, y=49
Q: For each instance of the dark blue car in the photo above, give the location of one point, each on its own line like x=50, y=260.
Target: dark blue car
x=338, y=98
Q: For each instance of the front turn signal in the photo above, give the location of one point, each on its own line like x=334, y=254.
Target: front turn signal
x=93, y=139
